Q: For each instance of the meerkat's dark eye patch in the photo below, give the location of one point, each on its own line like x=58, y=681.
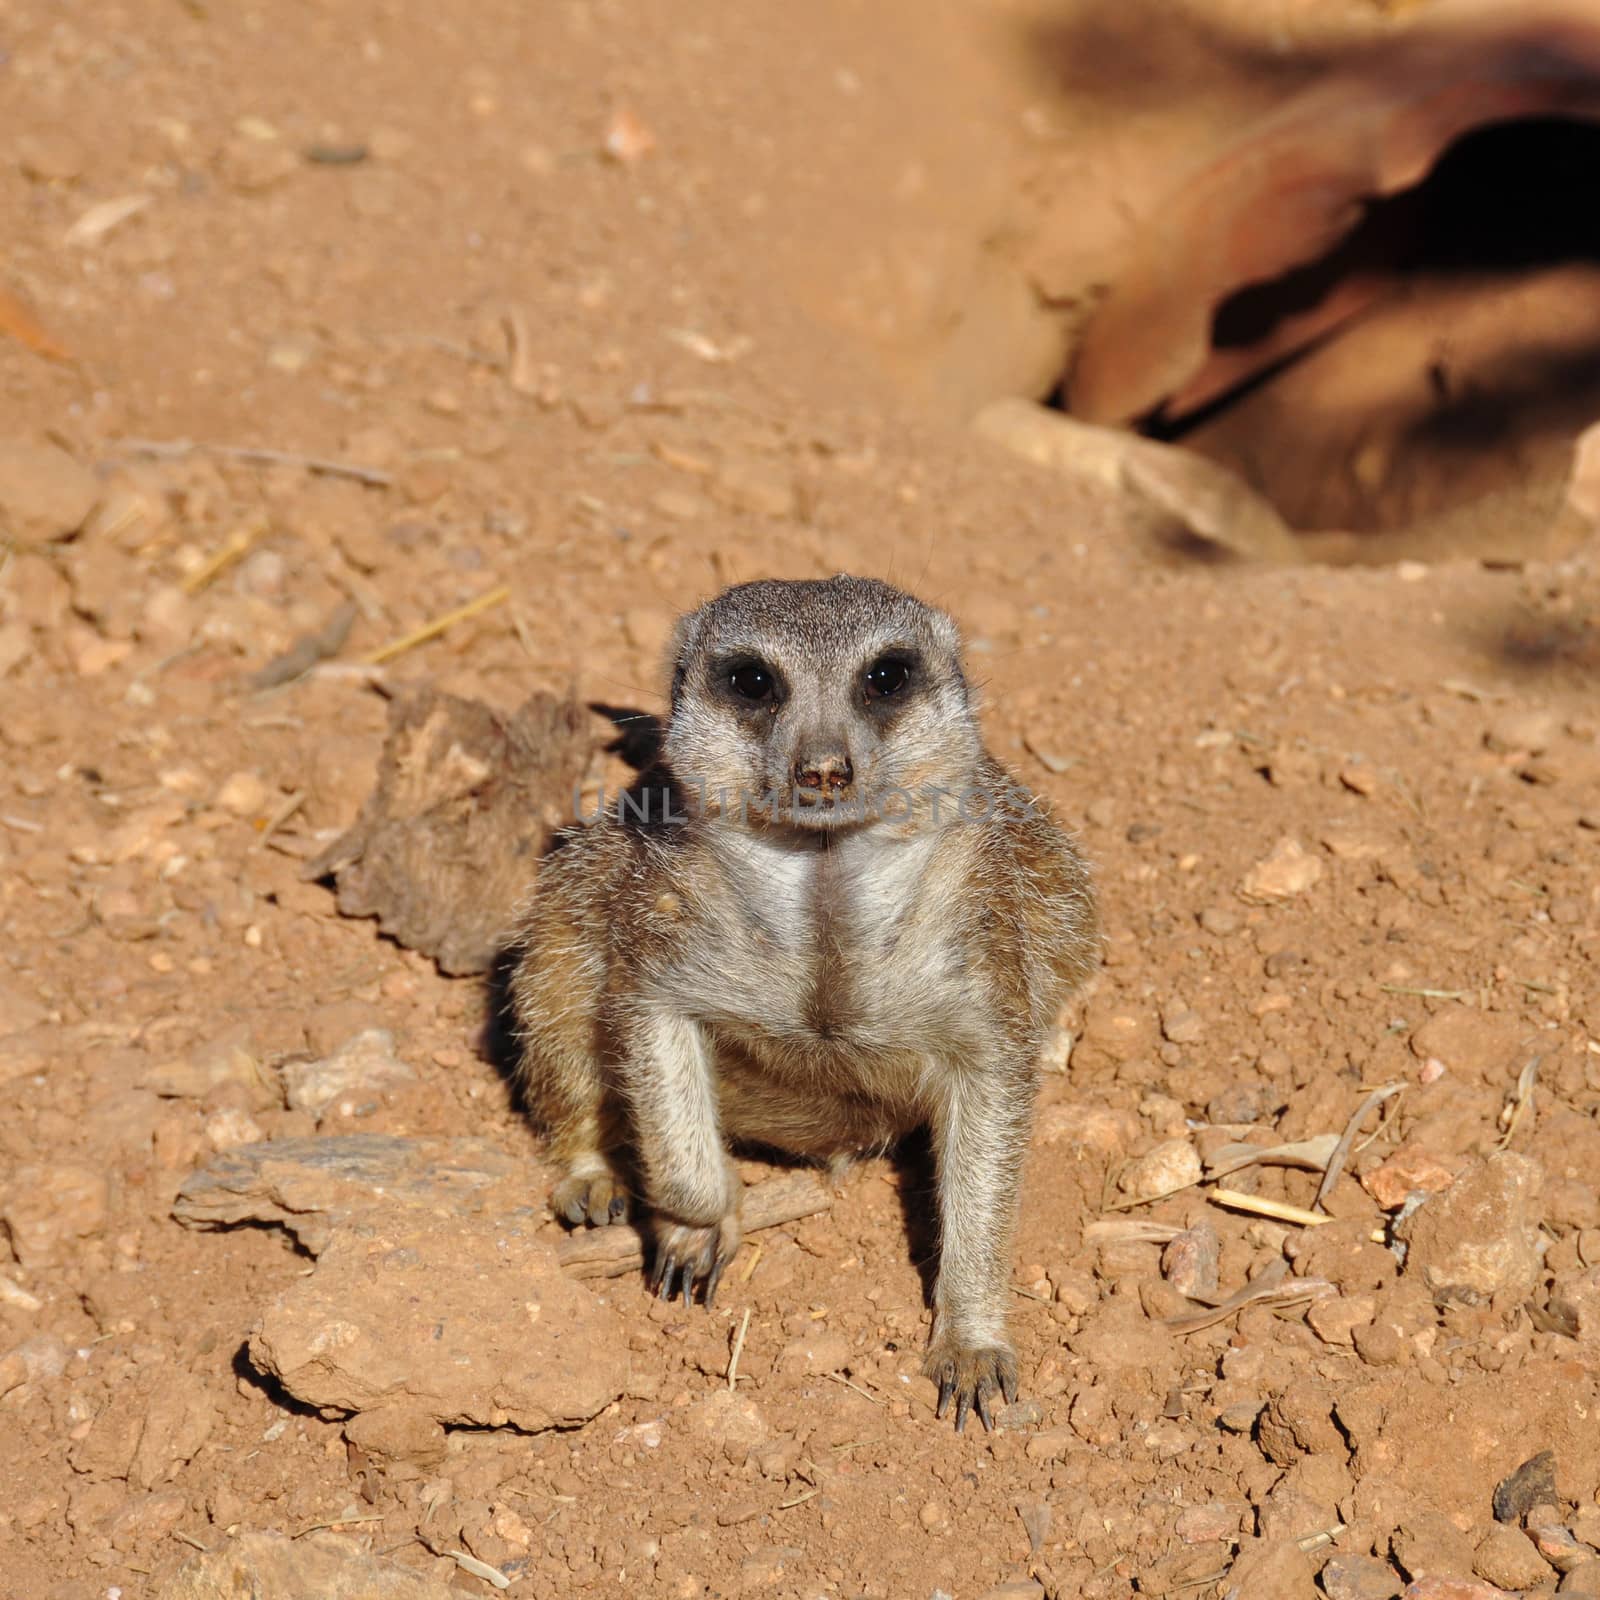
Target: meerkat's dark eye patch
x=888, y=676
x=751, y=680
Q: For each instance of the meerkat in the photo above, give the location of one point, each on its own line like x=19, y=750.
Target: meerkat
x=830, y=917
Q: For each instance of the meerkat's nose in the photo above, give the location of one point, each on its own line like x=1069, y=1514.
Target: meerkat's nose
x=827, y=775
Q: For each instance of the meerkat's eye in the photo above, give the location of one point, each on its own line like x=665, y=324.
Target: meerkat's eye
x=752, y=681
x=888, y=675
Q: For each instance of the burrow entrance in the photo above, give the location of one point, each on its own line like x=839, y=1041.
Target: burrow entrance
x=1455, y=389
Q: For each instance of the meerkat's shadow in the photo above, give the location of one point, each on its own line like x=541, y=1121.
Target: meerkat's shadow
x=918, y=1193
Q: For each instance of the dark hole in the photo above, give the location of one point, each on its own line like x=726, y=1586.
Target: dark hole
x=1508, y=197
x=1505, y=201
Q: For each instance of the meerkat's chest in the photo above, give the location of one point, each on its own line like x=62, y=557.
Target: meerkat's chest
x=852, y=948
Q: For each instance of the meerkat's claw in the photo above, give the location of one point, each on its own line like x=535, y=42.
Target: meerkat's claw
x=713, y=1278
x=594, y=1199
x=685, y=1256
x=972, y=1377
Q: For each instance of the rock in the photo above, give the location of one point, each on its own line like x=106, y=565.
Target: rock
x=768, y=1565
x=820, y=1351
x=1271, y=1569
x=1429, y=1545
x=148, y=1518
x=1584, y=1579
x=1410, y=1170
x=178, y=1418
x=1213, y=1521
x=271, y=1566
x=1200, y=498
x=1190, y=1261
x=149, y=1430
x=1359, y=1578
x=1016, y=1589
x=1307, y=1497
x=398, y=1433
x=49, y=1208
x=1172, y=1165
x=360, y=1069
x=1477, y=1043
x=724, y=1417
x=1245, y=1103
x=1575, y=1302
x=245, y=794
x=1183, y=1026
x=1297, y=1422
x=1051, y=1444
x=42, y=1357
x=1335, y=1318
x=229, y=1128
x=1506, y=1557
x=1019, y=1417
x=1100, y=1130
x=1113, y=1034
x=228, y=1060
x=310, y=1185
x=1289, y=869
x=1380, y=1344
x=1533, y=1484
x=1553, y=1542
x=45, y=495
x=1529, y=731
x=1480, y=1237
x=467, y=1320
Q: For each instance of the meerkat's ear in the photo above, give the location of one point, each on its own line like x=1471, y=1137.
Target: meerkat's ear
x=948, y=636
x=685, y=636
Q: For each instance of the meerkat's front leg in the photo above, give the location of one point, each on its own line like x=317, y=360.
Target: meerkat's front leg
x=980, y=1134
x=690, y=1182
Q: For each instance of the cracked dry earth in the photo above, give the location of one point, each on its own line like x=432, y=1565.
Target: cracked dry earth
x=281, y=1304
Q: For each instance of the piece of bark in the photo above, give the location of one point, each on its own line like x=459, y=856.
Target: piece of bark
x=611, y=1252
x=448, y=842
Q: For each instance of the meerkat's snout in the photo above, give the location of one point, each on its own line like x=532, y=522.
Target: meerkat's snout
x=823, y=776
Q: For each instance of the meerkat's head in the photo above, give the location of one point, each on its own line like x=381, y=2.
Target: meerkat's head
x=819, y=704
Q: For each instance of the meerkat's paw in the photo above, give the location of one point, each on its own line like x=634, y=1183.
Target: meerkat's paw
x=685, y=1255
x=972, y=1375
x=593, y=1197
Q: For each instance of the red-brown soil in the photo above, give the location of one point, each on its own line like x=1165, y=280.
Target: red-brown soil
x=734, y=354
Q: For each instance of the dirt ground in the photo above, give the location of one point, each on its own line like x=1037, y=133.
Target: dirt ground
x=617, y=304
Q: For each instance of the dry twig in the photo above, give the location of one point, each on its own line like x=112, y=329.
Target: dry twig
x=738, y=1349
x=179, y=449
x=441, y=624
x=1274, y=1287
x=234, y=548
x=1341, y=1151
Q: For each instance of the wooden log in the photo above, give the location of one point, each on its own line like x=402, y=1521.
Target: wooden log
x=610, y=1252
